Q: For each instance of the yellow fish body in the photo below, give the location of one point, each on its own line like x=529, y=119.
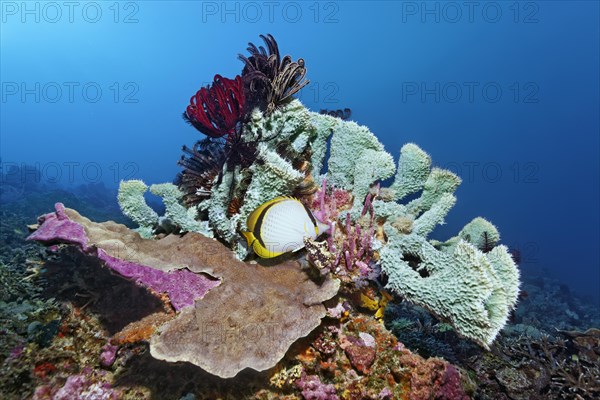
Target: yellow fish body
x=280, y=226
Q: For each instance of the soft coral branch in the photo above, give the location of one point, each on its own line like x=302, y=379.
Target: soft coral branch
x=357, y=245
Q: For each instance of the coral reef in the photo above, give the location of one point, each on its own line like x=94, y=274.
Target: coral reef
x=366, y=312
x=81, y=341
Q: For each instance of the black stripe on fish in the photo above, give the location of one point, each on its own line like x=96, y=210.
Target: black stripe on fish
x=259, y=222
x=310, y=214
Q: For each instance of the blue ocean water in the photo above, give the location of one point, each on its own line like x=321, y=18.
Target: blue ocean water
x=506, y=94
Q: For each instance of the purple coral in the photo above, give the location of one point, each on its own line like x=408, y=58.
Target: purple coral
x=385, y=394
x=88, y=385
x=108, y=355
x=357, y=248
x=313, y=389
x=57, y=227
x=451, y=387
x=182, y=286
x=82, y=387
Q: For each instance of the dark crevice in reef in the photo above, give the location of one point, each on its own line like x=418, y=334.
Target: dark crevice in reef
x=83, y=281
x=172, y=381
x=416, y=263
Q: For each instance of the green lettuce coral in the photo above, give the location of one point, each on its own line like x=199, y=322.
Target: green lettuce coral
x=357, y=159
x=132, y=203
x=469, y=281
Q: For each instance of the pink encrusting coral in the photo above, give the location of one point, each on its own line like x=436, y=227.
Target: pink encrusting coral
x=108, y=355
x=182, y=287
x=56, y=227
x=313, y=389
x=451, y=387
x=88, y=385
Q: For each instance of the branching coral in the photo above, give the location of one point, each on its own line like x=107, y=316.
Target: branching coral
x=131, y=200
x=348, y=251
x=357, y=248
x=553, y=367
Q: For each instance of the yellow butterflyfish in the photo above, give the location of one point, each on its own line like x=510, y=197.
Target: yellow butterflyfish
x=280, y=225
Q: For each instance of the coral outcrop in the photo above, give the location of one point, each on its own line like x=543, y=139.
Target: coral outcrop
x=225, y=315
x=248, y=322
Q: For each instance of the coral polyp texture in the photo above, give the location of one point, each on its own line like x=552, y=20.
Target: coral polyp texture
x=470, y=281
x=227, y=310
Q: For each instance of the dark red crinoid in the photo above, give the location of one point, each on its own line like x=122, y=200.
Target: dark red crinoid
x=216, y=110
